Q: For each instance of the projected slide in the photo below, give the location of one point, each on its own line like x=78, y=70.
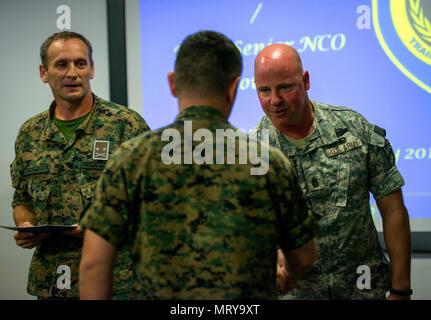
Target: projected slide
x=371, y=56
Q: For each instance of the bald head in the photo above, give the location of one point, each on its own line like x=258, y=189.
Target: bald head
x=282, y=86
x=279, y=56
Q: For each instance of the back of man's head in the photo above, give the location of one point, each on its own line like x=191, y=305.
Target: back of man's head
x=206, y=63
x=64, y=35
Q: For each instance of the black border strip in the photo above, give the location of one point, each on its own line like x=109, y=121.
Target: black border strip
x=117, y=51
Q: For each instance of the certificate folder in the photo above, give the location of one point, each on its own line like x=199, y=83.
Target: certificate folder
x=42, y=228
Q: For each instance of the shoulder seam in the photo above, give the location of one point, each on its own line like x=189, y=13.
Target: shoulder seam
x=38, y=118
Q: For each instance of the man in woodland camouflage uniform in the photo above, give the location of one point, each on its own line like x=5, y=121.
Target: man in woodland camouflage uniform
x=198, y=231
x=339, y=158
x=60, y=154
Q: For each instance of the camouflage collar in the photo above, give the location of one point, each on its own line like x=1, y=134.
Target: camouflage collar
x=201, y=112
x=323, y=134
x=51, y=132
x=324, y=125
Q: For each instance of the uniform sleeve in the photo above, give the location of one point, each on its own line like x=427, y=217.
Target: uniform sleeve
x=20, y=196
x=108, y=215
x=383, y=176
x=135, y=126
x=298, y=223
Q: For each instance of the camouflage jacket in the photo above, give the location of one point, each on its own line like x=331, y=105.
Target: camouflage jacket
x=207, y=231
x=344, y=159
x=57, y=179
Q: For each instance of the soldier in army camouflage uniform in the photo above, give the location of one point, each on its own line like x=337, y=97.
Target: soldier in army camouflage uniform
x=198, y=231
x=60, y=154
x=339, y=158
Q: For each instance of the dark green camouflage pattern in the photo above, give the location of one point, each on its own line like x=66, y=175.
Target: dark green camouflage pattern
x=207, y=231
x=345, y=158
x=57, y=179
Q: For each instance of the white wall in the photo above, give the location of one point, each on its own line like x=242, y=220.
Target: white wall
x=134, y=67
x=24, y=25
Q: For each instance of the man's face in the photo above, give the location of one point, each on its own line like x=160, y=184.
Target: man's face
x=282, y=90
x=69, y=70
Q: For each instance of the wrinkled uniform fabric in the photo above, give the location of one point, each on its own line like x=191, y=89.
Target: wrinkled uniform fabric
x=345, y=158
x=208, y=231
x=57, y=179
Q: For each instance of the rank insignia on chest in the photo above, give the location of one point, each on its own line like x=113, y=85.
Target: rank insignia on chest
x=343, y=147
x=100, y=150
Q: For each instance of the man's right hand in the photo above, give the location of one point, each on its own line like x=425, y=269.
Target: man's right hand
x=285, y=283
x=28, y=240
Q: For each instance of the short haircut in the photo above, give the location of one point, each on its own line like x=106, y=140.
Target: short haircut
x=206, y=63
x=65, y=35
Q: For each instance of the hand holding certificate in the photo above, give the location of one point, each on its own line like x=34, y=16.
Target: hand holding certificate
x=28, y=240
x=28, y=236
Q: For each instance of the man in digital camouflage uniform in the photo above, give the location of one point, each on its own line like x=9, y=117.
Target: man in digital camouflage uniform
x=60, y=154
x=339, y=158
x=198, y=231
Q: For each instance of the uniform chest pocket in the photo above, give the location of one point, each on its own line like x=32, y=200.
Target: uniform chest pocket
x=342, y=183
x=40, y=192
x=315, y=186
x=87, y=193
x=317, y=195
x=327, y=181
x=90, y=171
x=347, y=154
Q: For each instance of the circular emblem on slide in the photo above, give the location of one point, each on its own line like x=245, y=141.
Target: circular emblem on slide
x=413, y=27
x=403, y=29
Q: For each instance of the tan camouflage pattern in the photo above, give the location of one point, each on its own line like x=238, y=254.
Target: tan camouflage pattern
x=207, y=231
x=345, y=158
x=57, y=179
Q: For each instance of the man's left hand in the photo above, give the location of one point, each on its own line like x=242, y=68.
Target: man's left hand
x=77, y=232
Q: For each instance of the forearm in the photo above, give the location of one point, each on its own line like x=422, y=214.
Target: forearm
x=396, y=229
x=95, y=281
x=298, y=262
x=23, y=214
x=295, y=272
x=97, y=263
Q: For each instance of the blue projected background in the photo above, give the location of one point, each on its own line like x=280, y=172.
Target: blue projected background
x=350, y=48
